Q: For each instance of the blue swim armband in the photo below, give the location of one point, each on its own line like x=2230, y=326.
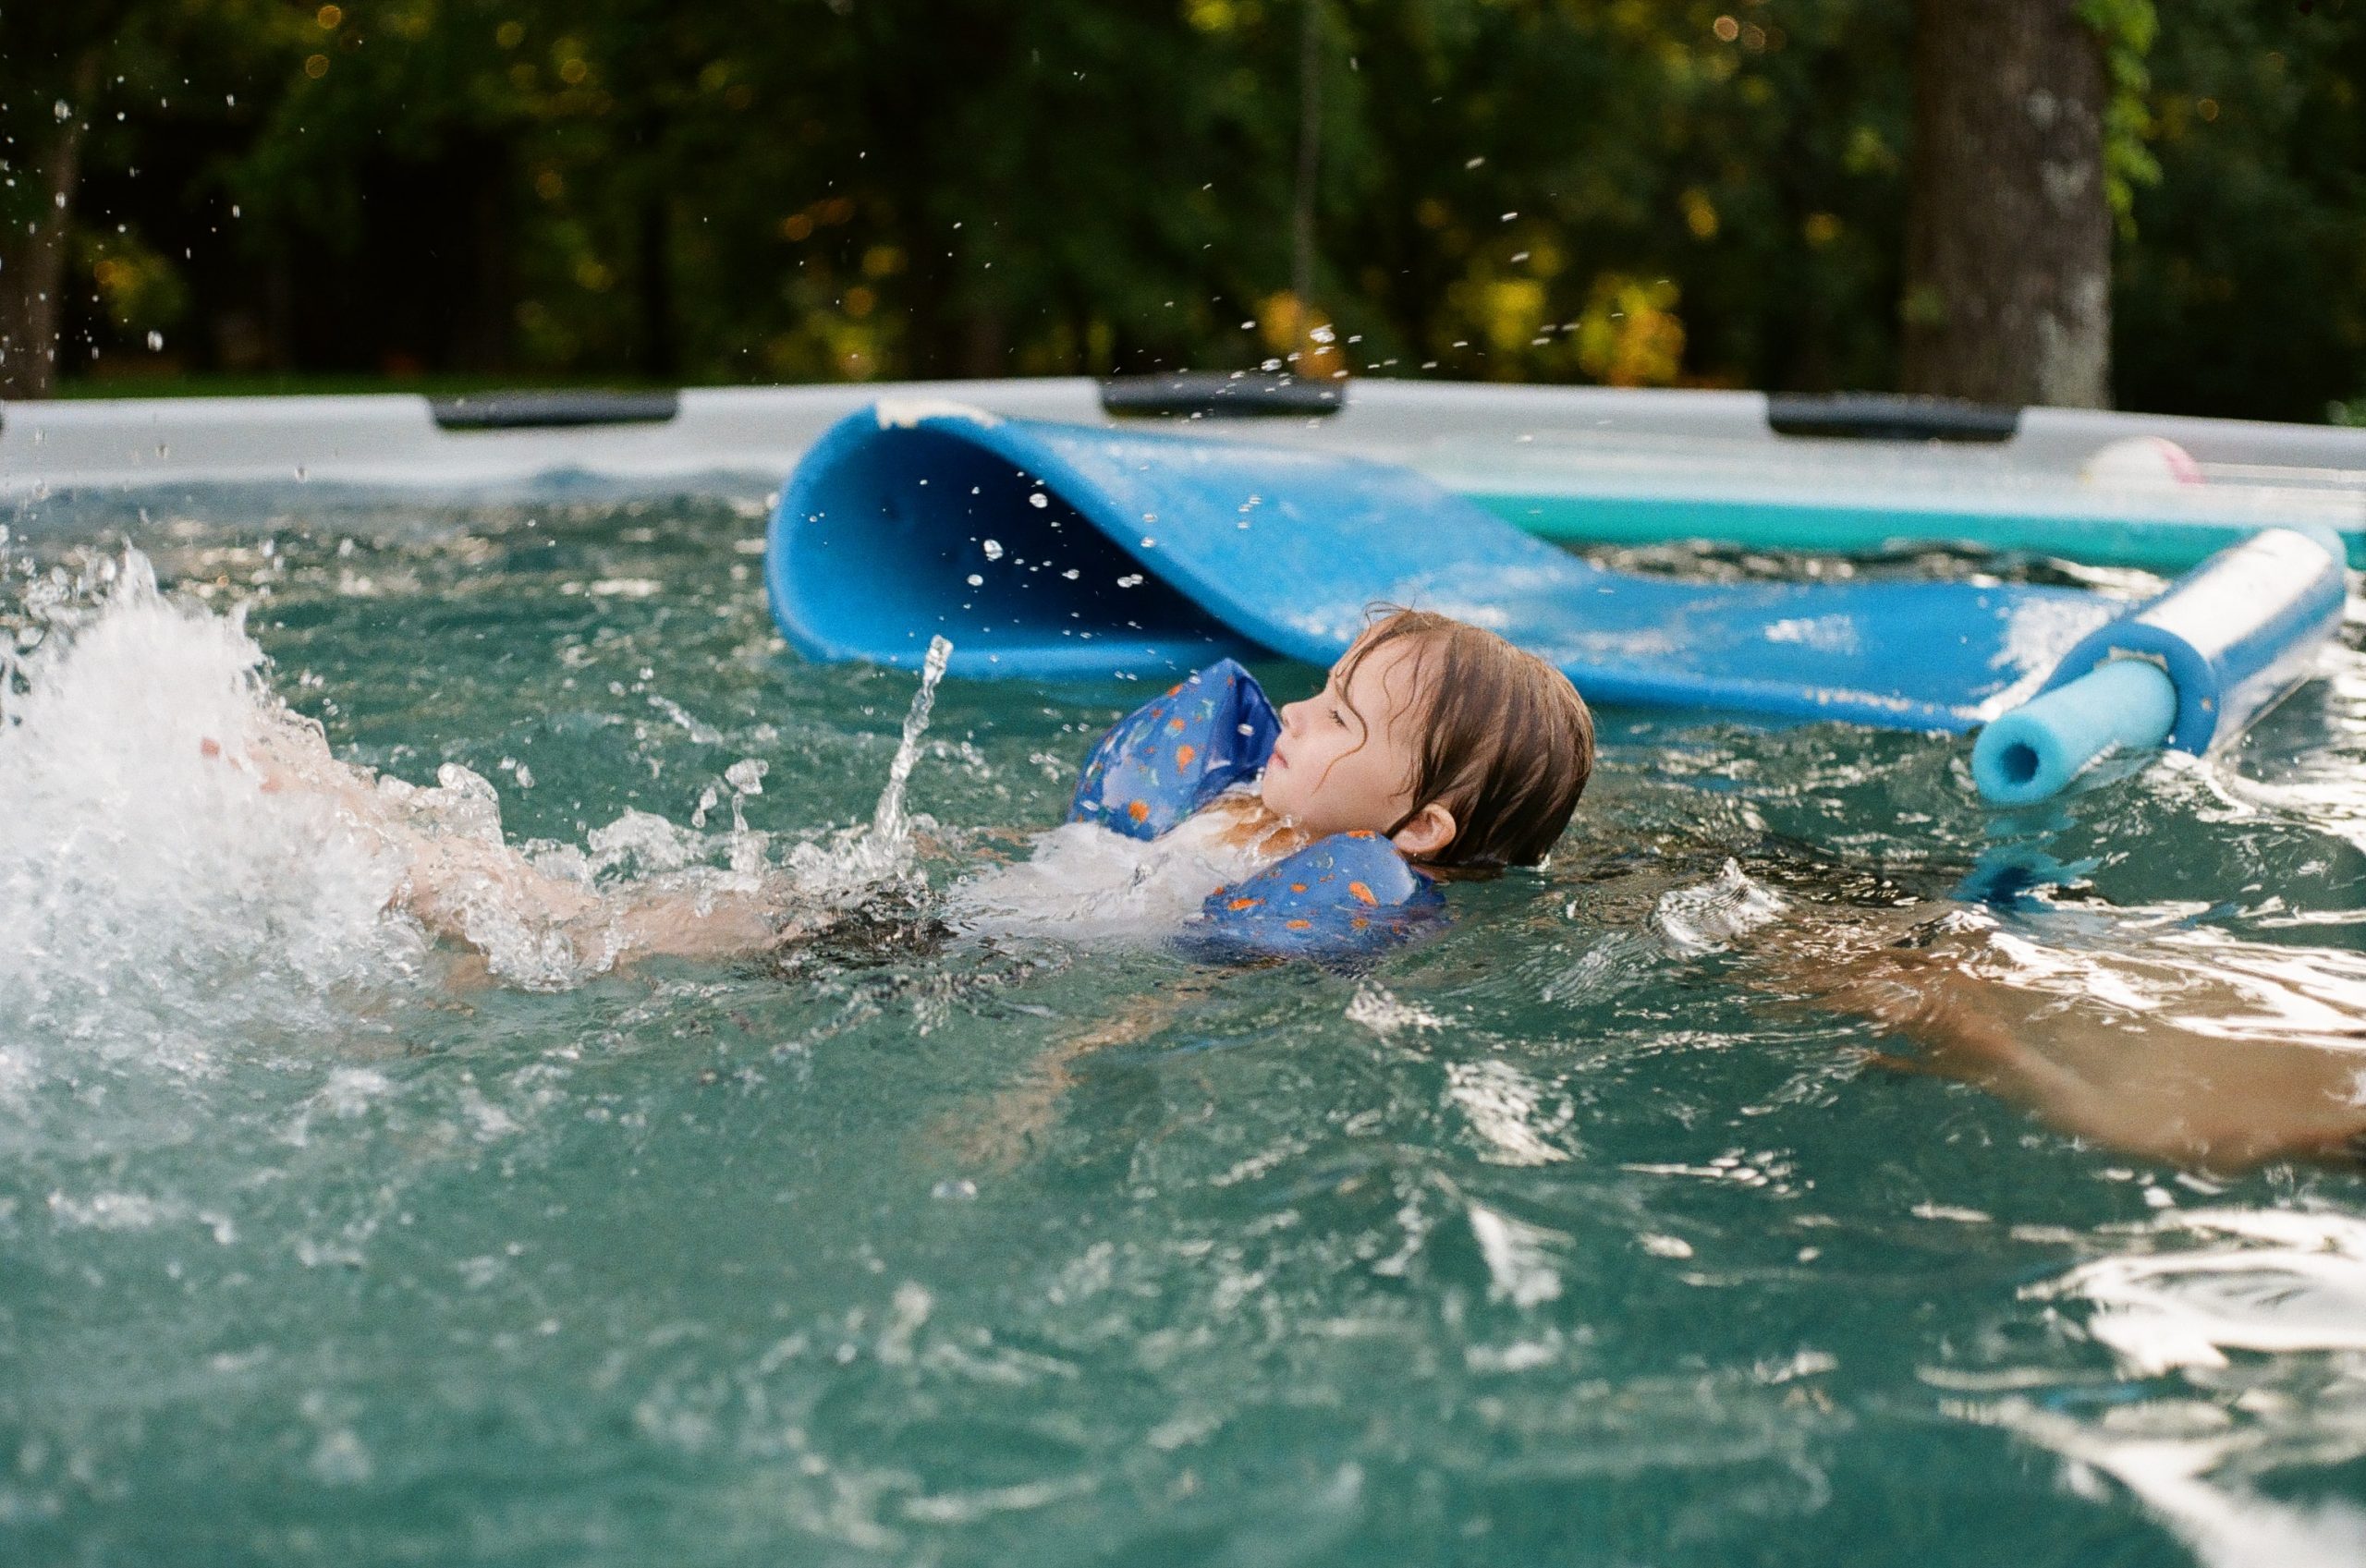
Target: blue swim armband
x=1347, y=894
x=1176, y=753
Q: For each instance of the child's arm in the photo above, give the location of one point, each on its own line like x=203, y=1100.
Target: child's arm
x=1012, y=1122
x=453, y=883
x=2177, y=1079
x=642, y=921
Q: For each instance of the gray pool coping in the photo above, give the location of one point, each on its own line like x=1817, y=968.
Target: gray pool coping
x=752, y=435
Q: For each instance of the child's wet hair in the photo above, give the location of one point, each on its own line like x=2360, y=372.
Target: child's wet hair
x=1506, y=744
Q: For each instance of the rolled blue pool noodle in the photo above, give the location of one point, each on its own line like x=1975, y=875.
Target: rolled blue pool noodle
x=2035, y=750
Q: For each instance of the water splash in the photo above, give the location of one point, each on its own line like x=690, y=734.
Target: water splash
x=1082, y=883
x=160, y=901
x=888, y=825
x=185, y=864
x=849, y=863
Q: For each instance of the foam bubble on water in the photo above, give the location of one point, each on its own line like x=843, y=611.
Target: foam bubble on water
x=1507, y=1111
x=1520, y=1255
x=110, y=1211
x=1378, y=1010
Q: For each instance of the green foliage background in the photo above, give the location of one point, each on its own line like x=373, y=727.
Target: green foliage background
x=1651, y=191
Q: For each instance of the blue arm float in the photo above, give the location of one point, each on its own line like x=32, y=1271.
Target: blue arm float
x=1176, y=752
x=2190, y=668
x=1346, y=895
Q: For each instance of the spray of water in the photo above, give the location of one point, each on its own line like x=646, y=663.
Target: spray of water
x=158, y=901
x=888, y=824
x=1083, y=883
x=187, y=871
x=183, y=863
x=849, y=864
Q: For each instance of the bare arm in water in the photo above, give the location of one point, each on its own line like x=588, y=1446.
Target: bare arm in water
x=2195, y=1048
x=1003, y=1128
x=466, y=885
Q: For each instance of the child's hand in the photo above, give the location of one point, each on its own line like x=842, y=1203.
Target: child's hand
x=270, y=780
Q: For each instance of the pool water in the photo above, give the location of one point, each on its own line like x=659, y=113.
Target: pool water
x=1560, y=1238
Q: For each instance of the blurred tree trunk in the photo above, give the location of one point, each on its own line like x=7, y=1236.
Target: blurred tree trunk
x=33, y=249
x=2008, y=223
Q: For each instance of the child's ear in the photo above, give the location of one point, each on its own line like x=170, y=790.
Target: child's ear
x=1426, y=833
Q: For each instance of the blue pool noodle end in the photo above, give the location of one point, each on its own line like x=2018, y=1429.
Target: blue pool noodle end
x=1067, y=550
x=2035, y=750
x=2189, y=669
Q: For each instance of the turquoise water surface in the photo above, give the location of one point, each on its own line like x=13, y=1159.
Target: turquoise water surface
x=1563, y=1238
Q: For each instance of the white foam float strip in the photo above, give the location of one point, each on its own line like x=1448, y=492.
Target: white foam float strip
x=394, y=441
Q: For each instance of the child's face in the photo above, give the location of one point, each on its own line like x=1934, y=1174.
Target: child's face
x=1335, y=771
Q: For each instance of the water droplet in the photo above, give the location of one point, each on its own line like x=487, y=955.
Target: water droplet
x=977, y=581
x=1038, y=500
x=993, y=548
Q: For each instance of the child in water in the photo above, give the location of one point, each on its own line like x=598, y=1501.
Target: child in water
x=1433, y=747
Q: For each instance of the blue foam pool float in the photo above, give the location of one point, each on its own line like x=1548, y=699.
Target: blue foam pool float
x=2189, y=669
x=1048, y=550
